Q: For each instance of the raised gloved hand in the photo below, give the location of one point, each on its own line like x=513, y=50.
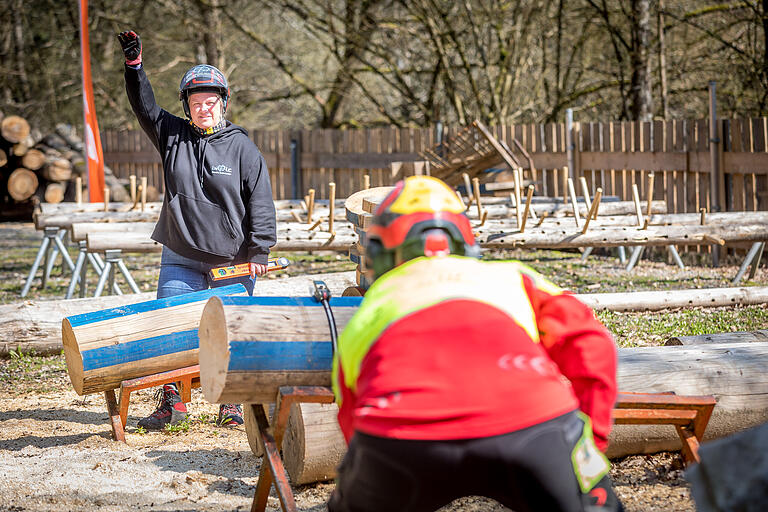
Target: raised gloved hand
x=131, y=44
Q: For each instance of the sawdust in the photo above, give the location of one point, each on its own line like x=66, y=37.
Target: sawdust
x=56, y=452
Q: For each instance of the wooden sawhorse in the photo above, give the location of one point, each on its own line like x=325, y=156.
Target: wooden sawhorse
x=271, y=439
x=188, y=378
x=689, y=415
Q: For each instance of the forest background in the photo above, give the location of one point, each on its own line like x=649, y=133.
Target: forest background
x=338, y=64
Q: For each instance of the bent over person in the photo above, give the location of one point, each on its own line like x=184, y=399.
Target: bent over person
x=458, y=377
x=217, y=208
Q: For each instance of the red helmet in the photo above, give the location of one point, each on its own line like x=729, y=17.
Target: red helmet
x=201, y=78
x=422, y=216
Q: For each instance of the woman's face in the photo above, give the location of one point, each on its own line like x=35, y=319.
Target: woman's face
x=206, y=109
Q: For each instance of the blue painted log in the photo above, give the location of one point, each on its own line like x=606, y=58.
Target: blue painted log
x=250, y=346
x=106, y=347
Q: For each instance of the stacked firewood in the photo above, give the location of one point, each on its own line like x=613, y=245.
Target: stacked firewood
x=36, y=168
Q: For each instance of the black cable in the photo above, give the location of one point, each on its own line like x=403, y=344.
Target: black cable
x=323, y=295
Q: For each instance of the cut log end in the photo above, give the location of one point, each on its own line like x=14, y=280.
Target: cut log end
x=313, y=445
x=73, y=356
x=213, y=333
x=14, y=129
x=22, y=184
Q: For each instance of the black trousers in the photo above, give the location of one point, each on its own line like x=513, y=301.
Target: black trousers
x=533, y=469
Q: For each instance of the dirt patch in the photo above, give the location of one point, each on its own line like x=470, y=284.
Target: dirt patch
x=56, y=452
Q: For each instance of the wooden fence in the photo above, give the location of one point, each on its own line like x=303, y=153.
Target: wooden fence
x=611, y=155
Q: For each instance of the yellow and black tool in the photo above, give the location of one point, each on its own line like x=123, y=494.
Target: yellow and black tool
x=219, y=273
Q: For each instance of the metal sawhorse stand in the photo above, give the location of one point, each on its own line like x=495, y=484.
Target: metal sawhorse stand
x=113, y=261
x=753, y=256
x=79, y=272
x=271, y=439
x=52, y=243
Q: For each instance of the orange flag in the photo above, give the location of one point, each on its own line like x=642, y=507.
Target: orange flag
x=94, y=155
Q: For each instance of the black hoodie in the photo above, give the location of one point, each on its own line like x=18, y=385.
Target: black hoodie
x=218, y=205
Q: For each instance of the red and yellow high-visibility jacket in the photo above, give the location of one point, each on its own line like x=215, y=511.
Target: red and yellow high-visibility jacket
x=455, y=348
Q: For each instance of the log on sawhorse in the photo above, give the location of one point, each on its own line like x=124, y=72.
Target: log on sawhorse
x=689, y=415
x=187, y=379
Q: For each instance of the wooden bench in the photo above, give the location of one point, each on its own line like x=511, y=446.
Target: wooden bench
x=187, y=378
x=689, y=415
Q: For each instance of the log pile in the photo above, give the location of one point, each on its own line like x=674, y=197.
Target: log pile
x=37, y=168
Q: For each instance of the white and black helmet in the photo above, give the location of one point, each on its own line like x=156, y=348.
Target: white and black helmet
x=201, y=78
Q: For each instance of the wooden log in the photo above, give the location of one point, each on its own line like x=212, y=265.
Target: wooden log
x=14, y=129
x=73, y=207
x=250, y=346
x=312, y=241
x=733, y=372
x=355, y=210
x=106, y=347
x=36, y=325
x=79, y=230
x=313, y=445
x=22, y=184
x=624, y=236
x=59, y=169
x=497, y=207
x=65, y=220
x=3, y=158
x=33, y=159
x=667, y=299
x=723, y=337
x=679, y=219
x=54, y=192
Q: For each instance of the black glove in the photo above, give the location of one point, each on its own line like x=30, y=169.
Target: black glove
x=131, y=44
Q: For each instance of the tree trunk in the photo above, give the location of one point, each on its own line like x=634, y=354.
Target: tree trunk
x=65, y=220
x=286, y=241
x=22, y=184
x=641, y=107
x=36, y=325
x=313, y=445
x=657, y=300
x=733, y=372
x=104, y=348
x=251, y=346
x=624, y=236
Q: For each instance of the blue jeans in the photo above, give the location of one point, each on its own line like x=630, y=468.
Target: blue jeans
x=179, y=275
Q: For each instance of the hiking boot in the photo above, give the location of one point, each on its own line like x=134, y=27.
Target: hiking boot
x=230, y=415
x=170, y=409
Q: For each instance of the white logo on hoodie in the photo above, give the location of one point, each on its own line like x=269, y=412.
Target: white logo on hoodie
x=221, y=169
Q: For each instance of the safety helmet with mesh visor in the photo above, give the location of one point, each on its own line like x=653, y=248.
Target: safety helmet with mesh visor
x=422, y=216
x=203, y=78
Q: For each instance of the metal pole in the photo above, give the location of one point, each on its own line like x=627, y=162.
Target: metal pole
x=295, y=169
x=569, y=141
x=714, y=161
